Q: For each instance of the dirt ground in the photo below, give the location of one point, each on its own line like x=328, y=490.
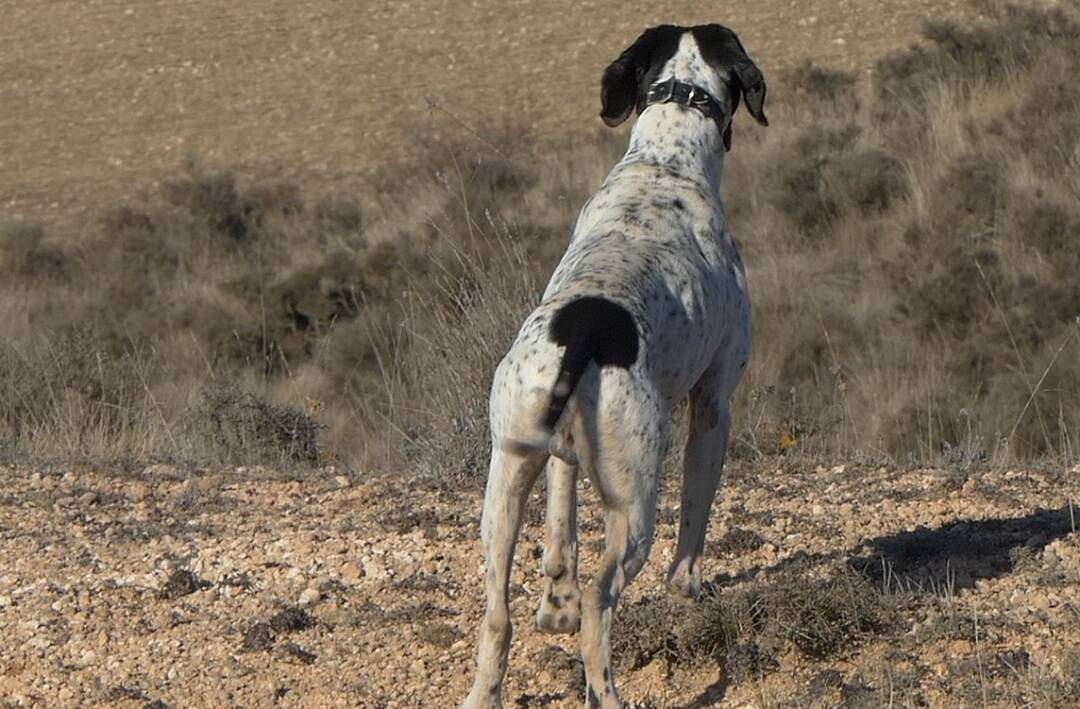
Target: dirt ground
x=246, y=589
x=100, y=100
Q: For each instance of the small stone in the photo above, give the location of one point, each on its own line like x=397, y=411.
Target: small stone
x=373, y=569
x=294, y=650
x=350, y=573
x=309, y=596
x=182, y=582
x=138, y=491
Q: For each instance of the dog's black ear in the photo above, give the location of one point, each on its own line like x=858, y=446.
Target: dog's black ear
x=752, y=83
x=722, y=48
x=621, y=84
x=618, y=91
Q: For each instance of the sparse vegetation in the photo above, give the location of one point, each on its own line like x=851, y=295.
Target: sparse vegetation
x=911, y=250
x=746, y=629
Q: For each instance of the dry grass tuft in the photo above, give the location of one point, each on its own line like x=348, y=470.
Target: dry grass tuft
x=746, y=629
x=245, y=429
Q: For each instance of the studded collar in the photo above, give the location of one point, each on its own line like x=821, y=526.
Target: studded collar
x=674, y=91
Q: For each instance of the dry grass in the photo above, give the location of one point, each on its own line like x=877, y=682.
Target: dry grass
x=746, y=629
x=910, y=247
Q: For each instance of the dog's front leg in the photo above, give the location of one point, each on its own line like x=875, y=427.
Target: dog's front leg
x=710, y=422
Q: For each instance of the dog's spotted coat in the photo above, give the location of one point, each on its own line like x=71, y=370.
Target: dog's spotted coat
x=649, y=305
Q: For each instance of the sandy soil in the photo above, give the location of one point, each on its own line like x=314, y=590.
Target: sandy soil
x=99, y=100
x=246, y=589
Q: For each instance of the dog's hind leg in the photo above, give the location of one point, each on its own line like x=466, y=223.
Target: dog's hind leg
x=710, y=422
x=510, y=478
x=624, y=461
x=560, y=606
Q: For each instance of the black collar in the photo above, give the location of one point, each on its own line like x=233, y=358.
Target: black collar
x=673, y=90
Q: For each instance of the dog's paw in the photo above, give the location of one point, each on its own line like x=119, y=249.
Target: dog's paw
x=559, y=613
x=482, y=698
x=685, y=583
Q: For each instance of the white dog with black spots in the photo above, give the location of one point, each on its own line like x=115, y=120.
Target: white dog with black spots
x=649, y=305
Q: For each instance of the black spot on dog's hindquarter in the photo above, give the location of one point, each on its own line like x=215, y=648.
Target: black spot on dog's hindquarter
x=603, y=329
x=592, y=329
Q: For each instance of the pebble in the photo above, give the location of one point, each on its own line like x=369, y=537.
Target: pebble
x=309, y=596
x=373, y=569
x=350, y=573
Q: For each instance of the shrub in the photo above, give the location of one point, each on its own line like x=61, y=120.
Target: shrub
x=829, y=88
x=26, y=255
x=747, y=628
x=245, y=429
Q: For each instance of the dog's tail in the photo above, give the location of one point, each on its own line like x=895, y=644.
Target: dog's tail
x=592, y=329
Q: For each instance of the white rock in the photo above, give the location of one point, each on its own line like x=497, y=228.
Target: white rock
x=309, y=596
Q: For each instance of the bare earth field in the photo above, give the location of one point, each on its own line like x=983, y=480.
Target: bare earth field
x=332, y=592
x=99, y=100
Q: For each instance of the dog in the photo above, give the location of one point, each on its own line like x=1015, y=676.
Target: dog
x=648, y=306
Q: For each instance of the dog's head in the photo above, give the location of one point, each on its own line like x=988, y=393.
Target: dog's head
x=710, y=56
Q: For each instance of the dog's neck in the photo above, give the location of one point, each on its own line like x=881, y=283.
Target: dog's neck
x=678, y=138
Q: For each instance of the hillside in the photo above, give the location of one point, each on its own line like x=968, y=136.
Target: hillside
x=101, y=100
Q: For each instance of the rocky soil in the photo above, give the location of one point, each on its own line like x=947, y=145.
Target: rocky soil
x=247, y=588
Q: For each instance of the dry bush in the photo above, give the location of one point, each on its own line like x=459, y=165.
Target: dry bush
x=77, y=397
x=446, y=386
x=834, y=90
x=915, y=308
x=646, y=630
x=74, y=399
x=26, y=256
x=747, y=628
x=238, y=427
